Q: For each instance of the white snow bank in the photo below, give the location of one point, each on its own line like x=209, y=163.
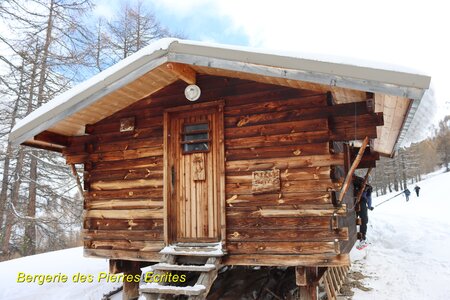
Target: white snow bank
x=409, y=244
x=68, y=262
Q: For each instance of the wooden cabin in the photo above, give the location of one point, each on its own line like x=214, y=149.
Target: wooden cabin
x=239, y=156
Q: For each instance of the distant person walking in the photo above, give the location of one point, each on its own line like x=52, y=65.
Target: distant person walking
x=417, y=189
x=407, y=193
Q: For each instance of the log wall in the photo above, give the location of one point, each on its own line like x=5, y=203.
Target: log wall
x=266, y=126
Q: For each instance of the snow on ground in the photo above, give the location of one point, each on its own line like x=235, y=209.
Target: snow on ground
x=68, y=262
x=408, y=256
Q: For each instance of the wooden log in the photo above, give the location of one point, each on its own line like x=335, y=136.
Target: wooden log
x=284, y=163
x=300, y=276
x=278, y=199
x=148, y=193
x=148, y=162
x=115, y=155
x=365, y=120
x=349, y=134
x=348, y=109
x=277, y=105
x=277, y=128
x=287, y=235
x=151, y=246
x=287, y=139
x=287, y=186
x=303, y=174
x=156, y=213
x=280, y=247
x=121, y=224
x=348, y=178
x=124, y=204
x=77, y=179
x=131, y=288
x=127, y=174
x=183, y=72
x=277, y=151
x=126, y=184
x=309, y=291
x=128, y=144
x=52, y=138
x=151, y=125
x=123, y=254
x=297, y=223
x=128, y=235
x=321, y=260
x=286, y=211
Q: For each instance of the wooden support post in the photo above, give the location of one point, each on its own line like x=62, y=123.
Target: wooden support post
x=77, y=178
x=131, y=289
x=348, y=178
x=306, y=280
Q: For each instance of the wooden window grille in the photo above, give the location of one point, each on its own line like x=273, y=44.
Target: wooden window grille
x=195, y=138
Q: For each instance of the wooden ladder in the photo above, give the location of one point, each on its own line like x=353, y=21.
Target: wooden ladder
x=186, y=252
x=333, y=279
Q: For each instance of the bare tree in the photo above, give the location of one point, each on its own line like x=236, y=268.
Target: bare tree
x=55, y=42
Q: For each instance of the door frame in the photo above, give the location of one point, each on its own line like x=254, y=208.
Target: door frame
x=170, y=231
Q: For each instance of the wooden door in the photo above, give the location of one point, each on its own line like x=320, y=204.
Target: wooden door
x=195, y=163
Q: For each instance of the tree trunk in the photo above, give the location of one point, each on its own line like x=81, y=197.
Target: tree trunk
x=9, y=151
x=14, y=200
x=30, y=228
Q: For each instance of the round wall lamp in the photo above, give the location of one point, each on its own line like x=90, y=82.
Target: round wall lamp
x=192, y=92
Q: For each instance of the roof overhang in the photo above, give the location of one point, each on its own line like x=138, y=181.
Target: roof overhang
x=145, y=72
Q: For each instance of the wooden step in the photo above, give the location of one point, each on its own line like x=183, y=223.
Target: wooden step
x=187, y=244
x=193, y=251
x=186, y=268
x=154, y=288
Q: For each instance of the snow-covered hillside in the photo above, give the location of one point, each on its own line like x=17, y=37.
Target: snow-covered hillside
x=407, y=258
x=67, y=262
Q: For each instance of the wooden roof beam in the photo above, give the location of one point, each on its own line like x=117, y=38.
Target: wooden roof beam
x=52, y=138
x=183, y=72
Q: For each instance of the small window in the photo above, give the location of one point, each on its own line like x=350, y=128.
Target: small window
x=195, y=138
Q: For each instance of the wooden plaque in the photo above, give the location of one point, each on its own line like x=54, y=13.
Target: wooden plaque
x=127, y=124
x=198, y=168
x=266, y=181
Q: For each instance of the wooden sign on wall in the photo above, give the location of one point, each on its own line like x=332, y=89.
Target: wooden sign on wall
x=266, y=181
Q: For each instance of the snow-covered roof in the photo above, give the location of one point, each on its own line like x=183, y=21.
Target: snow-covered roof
x=68, y=113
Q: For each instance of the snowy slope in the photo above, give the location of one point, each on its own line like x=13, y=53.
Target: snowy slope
x=69, y=262
x=408, y=257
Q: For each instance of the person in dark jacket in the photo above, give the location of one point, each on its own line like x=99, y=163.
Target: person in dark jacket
x=407, y=193
x=417, y=189
x=364, y=205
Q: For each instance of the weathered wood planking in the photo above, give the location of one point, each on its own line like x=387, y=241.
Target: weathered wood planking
x=317, y=260
x=287, y=235
x=281, y=247
x=266, y=126
x=274, y=199
x=299, y=223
